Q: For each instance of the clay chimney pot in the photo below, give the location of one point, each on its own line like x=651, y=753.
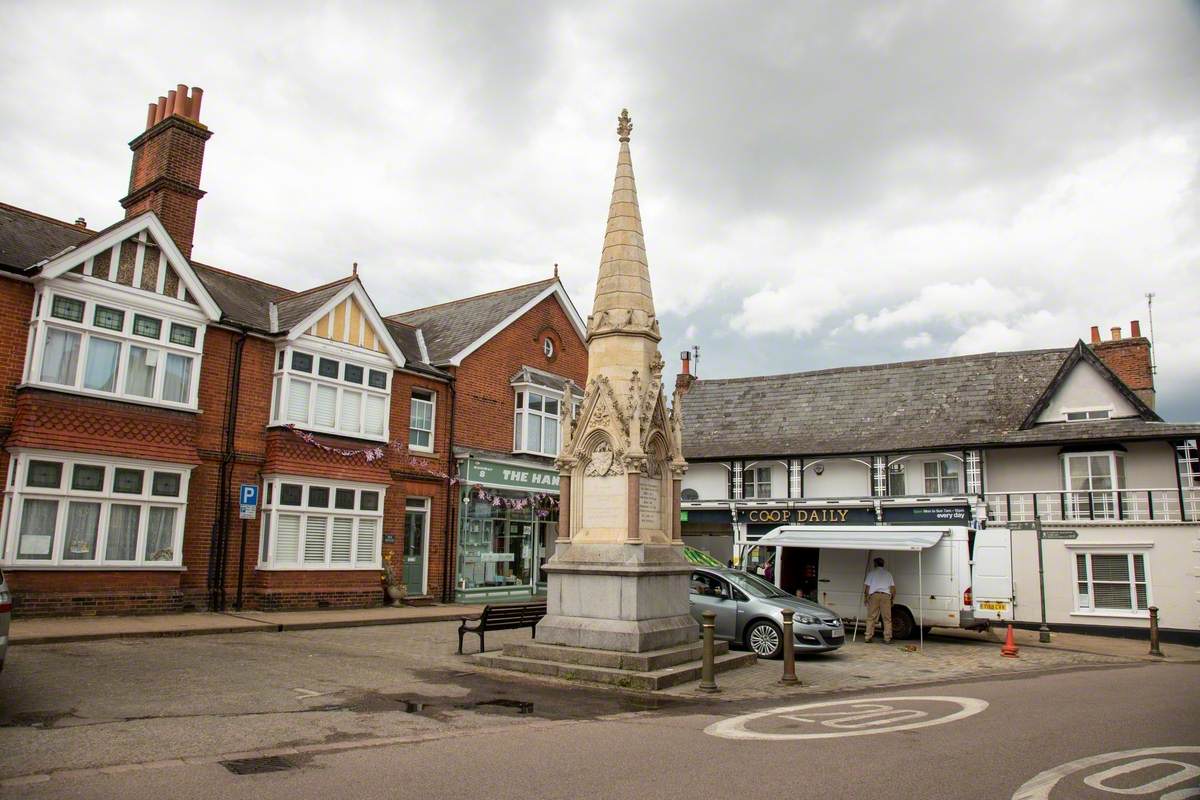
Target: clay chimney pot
x=1095, y=334
x=150, y=112
x=182, y=106
x=1116, y=333
x=197, y=96
x=161, y=113
x=1135, y=329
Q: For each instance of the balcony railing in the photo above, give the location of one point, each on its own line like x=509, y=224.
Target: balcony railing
x=1107, y=505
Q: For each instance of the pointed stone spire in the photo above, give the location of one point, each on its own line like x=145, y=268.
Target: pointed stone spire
x=624, y=302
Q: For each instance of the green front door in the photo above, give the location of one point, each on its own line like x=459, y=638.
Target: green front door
x=416, y=514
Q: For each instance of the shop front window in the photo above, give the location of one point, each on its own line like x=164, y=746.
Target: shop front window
x=503, y=548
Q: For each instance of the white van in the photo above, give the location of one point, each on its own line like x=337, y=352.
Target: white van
x=948, y=576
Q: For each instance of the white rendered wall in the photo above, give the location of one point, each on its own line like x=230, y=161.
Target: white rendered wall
x=1084, y=388
x=710, y=480
x=1172, y=563
x=840, y=478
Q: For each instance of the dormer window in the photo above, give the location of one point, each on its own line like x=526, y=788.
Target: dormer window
x=331, y=394
x=98, y=347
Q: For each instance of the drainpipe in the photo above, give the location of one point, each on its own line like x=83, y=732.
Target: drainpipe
x=219, y=545
x=451, y=504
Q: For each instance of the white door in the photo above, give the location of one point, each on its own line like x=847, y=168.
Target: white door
x=991, y=575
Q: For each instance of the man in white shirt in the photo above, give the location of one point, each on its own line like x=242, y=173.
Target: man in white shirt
x=879, y=589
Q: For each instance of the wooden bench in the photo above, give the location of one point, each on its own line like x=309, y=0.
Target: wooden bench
x=502, y=618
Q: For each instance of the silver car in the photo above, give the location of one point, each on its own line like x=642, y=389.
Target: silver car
x=749, y=611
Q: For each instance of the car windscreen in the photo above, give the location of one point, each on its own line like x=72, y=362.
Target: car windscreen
x=754, y=585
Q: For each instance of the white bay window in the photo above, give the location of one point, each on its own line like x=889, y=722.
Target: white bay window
x=1090, y=479
x=312, y=525
x=327, y=393
x=535, y=422
x=103, y=347
x=64, y=510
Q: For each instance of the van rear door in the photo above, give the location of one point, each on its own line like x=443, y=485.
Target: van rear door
x=991, y=575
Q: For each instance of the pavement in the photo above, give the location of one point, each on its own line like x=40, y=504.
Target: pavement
x=48, y=630
x=1124, y=730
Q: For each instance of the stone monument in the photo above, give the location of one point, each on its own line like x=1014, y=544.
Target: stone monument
x=617, y=600
x=618, y=579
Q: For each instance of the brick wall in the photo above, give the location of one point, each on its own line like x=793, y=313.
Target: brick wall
x=1130, y=360
x=16, y=308
x=485, y=399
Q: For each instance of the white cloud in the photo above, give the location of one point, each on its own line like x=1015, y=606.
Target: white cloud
x=798, y=308
x=948, y=301
x=920, y=340
x=690, y=333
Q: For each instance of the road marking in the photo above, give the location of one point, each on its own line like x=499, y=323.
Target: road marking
x=856, y=717
x=1041, y=785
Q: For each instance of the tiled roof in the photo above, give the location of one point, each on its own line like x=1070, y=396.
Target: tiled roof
x=450, y=327
x=296, y=307
x=27, y=238
x=244, y=301
x=945, y=402
x=407, y=339
x=539, y=377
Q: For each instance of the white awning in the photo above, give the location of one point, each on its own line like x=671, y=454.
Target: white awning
x=851, y=537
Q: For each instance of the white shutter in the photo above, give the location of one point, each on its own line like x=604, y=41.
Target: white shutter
x=297, y=401
x=343, y=534
x=325, y=410
x=367, y=551
x=287, y=539
x=351, y=412
x=314, y=539
x=376, y=411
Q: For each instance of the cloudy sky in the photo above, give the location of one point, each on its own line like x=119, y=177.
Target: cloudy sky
x=822, y=184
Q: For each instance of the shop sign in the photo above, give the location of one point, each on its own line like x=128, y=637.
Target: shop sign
x=930, y=515
x=857, y=515
x=511, y=476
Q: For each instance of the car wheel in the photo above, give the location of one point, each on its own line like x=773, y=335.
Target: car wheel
x=765, y=639
x=903, y=626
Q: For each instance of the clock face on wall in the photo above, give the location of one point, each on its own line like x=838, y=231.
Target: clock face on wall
x=548, y=347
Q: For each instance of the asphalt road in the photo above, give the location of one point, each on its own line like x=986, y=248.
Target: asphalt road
x=1000, y=735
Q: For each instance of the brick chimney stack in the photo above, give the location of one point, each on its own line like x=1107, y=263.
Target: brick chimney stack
x=167, y=158
x=1129, y=358
x=685, y=378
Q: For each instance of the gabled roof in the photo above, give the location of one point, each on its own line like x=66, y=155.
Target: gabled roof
x=315, y=303
x=1082, y=353
x=27, y=238
x=244, y=300
x=453, y=330
x=539, y=377
x=113, y=235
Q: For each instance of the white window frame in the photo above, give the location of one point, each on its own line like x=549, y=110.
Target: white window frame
x=942, y=477
x=1129, y=551
x=521, y=412
x=17, y=491
x=272, y=508
x=752, y=482
x=1090, y=413
x=1104, y=502
x=430, y=398
x=285, y=375
x=169, y=312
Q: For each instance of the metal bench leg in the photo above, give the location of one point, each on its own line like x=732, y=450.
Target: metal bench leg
x=481, y=646
x=461, y=633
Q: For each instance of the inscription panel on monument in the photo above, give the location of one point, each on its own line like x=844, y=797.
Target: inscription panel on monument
x=604, y=502
x=650, y=503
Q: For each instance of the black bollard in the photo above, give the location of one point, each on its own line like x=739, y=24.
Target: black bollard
x=1154, y=649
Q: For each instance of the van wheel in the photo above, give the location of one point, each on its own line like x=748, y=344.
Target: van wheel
x=765, y=639
x=903, y=626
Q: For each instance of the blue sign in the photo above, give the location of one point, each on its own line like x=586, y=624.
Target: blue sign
x=248, y=500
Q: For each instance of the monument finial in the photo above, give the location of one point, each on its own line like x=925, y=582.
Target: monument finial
x=624, y=126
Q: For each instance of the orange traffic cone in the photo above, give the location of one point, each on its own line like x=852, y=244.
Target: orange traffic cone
x=1010, y=650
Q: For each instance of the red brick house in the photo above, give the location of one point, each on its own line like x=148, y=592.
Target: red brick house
x=139, y=389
